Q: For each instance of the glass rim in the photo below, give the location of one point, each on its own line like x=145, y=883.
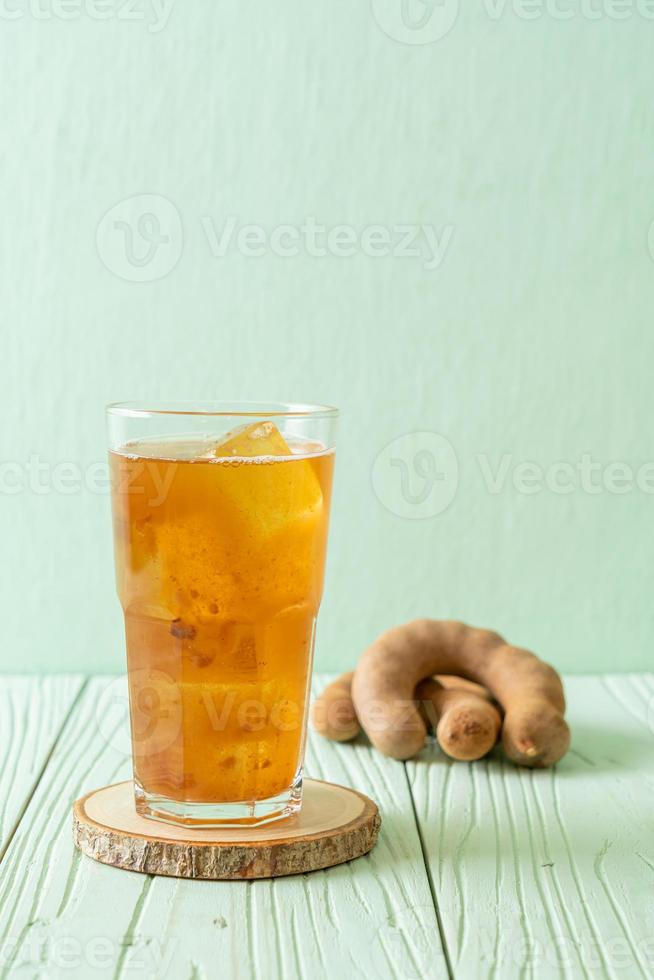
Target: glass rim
x=223, y=409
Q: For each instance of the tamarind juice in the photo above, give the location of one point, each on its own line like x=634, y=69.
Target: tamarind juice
x=220, y=551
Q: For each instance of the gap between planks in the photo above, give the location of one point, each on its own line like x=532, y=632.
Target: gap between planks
x=389, y=903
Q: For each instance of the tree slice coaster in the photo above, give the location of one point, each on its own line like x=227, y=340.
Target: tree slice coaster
x=335, y=824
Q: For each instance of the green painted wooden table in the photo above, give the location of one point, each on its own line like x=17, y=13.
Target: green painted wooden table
x=481, y=869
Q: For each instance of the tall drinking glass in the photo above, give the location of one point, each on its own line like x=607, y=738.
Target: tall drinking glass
x=220, y=519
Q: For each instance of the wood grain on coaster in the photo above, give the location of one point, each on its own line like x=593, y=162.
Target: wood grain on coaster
x=335, y=824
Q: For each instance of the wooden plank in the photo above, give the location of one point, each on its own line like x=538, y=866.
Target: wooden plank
x=32, y=712
x=40, y=872
x=549, y=873
x=64, y=915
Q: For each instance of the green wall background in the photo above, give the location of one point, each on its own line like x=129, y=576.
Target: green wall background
x=525, y=142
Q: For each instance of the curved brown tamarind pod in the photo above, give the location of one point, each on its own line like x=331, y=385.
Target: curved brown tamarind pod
x=333, y=714
x=534, y=732
x=462, y=683
x=466, y=722
x=460, y=711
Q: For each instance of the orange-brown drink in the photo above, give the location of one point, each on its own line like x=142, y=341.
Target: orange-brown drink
x=220, y=532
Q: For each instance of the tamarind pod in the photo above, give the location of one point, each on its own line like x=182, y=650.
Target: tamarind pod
x=530, y=692
x=461, y=735
x=462, y=683
x=333, y=714
x=466, y=722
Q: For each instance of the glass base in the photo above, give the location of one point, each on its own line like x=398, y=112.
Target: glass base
x=208, y=815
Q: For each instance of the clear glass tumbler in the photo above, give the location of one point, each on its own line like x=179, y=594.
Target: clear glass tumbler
x=220, y=516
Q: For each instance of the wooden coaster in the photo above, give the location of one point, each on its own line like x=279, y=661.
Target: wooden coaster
x=335, y=824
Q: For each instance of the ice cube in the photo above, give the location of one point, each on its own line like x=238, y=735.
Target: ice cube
x=269, y=496
x=255, y=439
x=251, y=535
